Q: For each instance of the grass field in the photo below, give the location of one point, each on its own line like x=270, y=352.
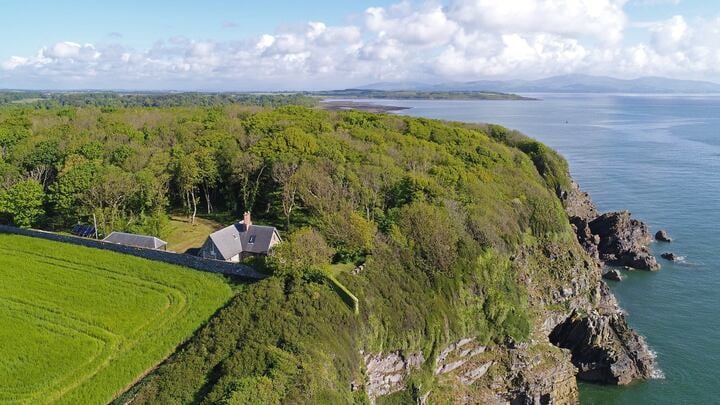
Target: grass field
x=182, y=235
x=78, y=325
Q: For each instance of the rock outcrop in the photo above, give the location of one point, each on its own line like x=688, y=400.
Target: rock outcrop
x=613, y=275
x=386, y=374
x=669, y=256
x=623, y=241
x=614, y=238
x=529, y=375
x=604, y=348
x=521, y=374
x=662, y=236
x=577, y=203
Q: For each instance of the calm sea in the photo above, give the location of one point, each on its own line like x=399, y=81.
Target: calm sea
x=659, y=157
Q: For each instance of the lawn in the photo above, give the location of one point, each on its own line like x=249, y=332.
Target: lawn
x=79, y=325
x=182, y=235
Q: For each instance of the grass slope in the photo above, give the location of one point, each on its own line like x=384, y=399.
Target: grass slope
x=78, y=325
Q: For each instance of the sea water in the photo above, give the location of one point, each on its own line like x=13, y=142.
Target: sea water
x=659, y=157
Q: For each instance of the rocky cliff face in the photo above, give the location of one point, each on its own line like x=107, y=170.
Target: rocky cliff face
x=582, y=333
x=604, y=348
x=510, y=373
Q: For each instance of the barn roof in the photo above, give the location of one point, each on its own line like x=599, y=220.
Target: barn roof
x=235, y=239
x=130, y=239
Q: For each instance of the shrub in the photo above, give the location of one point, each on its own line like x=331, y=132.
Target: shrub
x=304, y=251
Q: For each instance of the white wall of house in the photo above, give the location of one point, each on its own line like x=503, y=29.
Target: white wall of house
x=274, y=240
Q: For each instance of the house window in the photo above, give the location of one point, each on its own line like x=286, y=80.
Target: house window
x=252, y=239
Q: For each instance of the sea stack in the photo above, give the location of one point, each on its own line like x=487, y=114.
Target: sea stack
x=663, y=236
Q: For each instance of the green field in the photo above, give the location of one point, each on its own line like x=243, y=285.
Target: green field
x=79, y=325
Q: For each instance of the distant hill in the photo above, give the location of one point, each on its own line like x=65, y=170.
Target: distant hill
x=575, y=83
x=418, y=94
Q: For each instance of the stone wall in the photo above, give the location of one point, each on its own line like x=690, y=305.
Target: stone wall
x=194, y=262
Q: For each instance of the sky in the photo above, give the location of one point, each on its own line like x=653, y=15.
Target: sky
x=308, y=45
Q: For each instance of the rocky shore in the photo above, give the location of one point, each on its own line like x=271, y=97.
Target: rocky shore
x=614, y=238
x=583, y=334
x=604, y=347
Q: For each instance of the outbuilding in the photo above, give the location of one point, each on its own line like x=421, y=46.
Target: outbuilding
x=138, y=241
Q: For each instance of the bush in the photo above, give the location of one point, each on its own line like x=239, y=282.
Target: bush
x=303, y=252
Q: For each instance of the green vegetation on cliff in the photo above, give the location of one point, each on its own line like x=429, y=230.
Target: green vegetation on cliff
x=451, y=222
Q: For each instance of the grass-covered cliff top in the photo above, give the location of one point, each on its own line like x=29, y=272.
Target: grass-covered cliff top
x=455, y=224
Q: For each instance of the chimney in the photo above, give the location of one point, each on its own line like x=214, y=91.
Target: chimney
x=247, y=220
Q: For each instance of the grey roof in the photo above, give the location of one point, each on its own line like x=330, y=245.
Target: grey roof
x=235, y=239
x=130, y=239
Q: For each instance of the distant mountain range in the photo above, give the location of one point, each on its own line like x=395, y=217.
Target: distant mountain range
x=575, y=83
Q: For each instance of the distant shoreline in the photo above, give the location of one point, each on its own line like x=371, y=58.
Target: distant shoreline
x=345, y=105
x=418, y=95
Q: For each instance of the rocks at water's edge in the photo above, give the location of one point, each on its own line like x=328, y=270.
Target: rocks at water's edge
x=623, y=241
x=669, y=256
x=604, y=348
x=662, y=236
x=612, y=275
x=614, y=238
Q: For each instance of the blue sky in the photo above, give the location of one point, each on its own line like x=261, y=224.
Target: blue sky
x=316, y=44
x=141, y=23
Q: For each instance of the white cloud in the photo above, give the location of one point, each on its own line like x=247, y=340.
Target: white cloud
x=461, y=40
x=428, y=25
x=667, y=35
x=603, y=20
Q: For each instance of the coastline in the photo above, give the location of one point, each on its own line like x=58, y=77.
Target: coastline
x=345, y=105
x=605, y=349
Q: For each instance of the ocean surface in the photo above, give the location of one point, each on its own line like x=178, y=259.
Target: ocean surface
x=657, y=156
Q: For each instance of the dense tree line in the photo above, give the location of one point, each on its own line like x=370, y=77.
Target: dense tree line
x=347, y=174
x=115, y=100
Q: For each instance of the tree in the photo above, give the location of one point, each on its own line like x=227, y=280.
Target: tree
x=247, y=172
x=303, y=251
x=208, y=172
x=349, y=232
x=108, y=195
x=188, y=177
x=73, y=181
x=23, y=203
x=433, y=235
x=284, y=174
x=40, y=163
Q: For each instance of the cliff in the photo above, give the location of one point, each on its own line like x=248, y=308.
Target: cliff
x=481, y=281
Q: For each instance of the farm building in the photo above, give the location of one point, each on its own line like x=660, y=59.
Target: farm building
x=139, y=241
x=240, y=240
